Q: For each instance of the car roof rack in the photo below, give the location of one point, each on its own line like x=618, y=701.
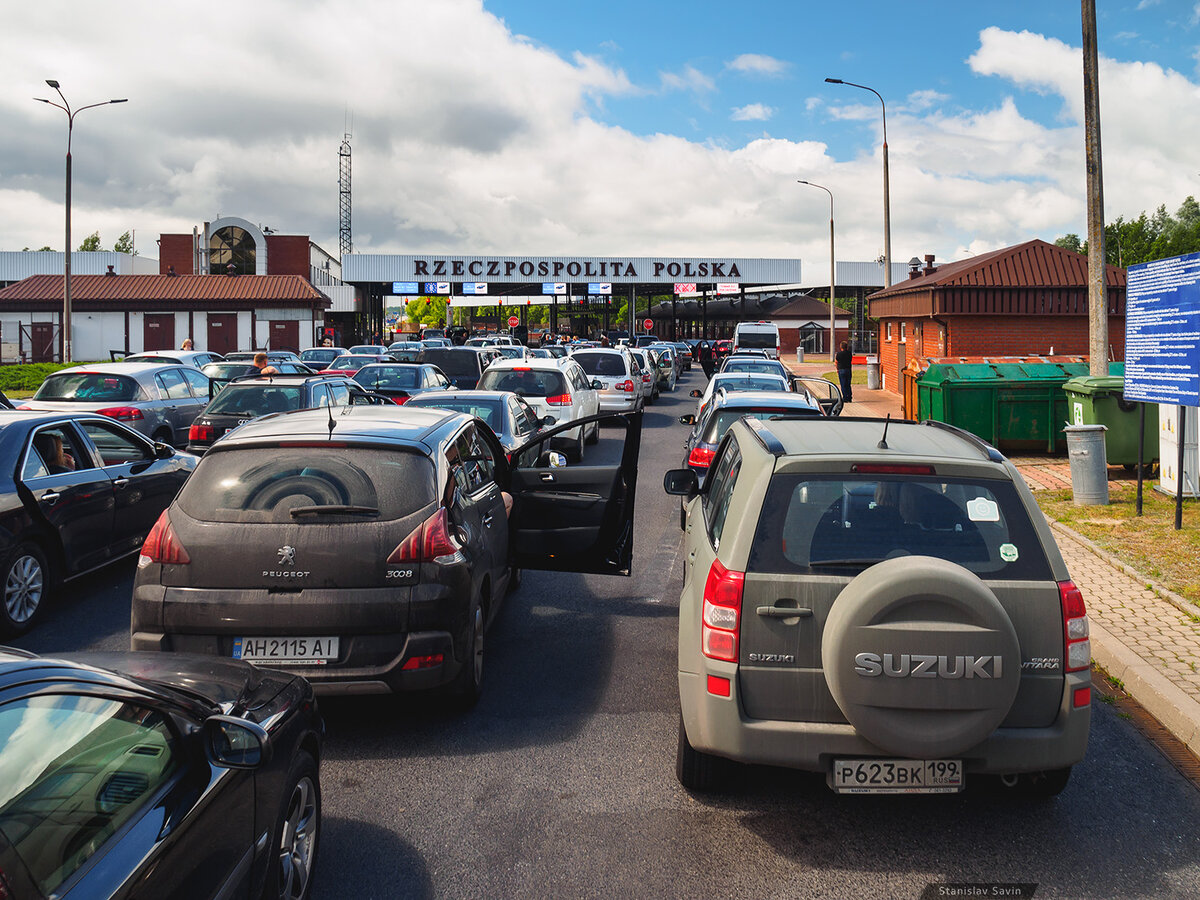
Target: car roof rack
x=765, y=436
x=990, y=452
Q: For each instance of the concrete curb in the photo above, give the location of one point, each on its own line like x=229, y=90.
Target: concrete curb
x=1184, y=605
x=1156, y=693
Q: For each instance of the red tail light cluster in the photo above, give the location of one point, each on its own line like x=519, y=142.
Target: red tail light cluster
x=162, y=546
x=701, y=456
x=1077, y=644
x=559, y=400
x=431, y=541
x=122, y=413
x=400, y=401
x=626, y=385
x=201, y=434
x=722, y=613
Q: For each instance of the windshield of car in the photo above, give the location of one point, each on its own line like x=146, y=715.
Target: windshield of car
x=748, y=382
x=280, y=486
x=405, y=345
x=255, y=399
x=757, y=338
x=226, y=370
x=454, y=362
x=89, y=387
x=833, y=523
x=511, y=351
x=526, y=382
x=608, y=364
x=387, y=377
x=491, y=411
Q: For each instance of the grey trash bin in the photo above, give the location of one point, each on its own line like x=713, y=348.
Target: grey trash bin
x=799, y=354
x=1089, y=465
x=873, y=373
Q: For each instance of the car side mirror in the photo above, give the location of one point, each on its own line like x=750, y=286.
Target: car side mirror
x=681, y=483
x=234, y=743
x=696, y=394
x=689, y=419
x=552, y=459
x=163, y=451
x=597, y=384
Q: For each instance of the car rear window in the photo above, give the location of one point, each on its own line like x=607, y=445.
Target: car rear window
x=454, y=362
x=277, y=485
x=318, y=355
x=89, y=387
x=352, y=362
x=609, y=364
x=256, y=399
x=720, y=422
x=388, y=377
x=488, y=410
x=835, y=524
x=748, y=382
x=526, y=382
x=760, y=367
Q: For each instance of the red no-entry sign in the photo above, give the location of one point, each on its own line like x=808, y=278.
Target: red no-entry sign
x=513, y=321
x=648, y=324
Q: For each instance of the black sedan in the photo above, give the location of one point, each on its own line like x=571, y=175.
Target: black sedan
x=400, y=381
x=511, y=419
x=83, y=491
x=156, y=775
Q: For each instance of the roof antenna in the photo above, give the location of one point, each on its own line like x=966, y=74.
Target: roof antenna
x=882, y=445
x=332, y=424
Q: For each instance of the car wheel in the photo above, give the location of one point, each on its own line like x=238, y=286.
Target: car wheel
x=682, y=516
x=296, y=833
x=595, y=437
x=698, y=771
x=26, y=583
x=577, y=454
x=514, y=579
x=468, y=684
x=163, y=436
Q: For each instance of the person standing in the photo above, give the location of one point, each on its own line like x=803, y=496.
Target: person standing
x=263, y=365
x=844, y=360
x=187, y=344
x=706, y=358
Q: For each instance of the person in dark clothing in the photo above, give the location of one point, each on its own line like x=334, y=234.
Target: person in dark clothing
x=844, y=360
x=705, y=351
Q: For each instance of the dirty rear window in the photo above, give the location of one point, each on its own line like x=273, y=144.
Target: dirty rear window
x=834, y=524
x=89, y=387
x=256, y=400
x=277, y=485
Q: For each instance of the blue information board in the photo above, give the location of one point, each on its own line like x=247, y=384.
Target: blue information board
x=1162, y=331
x=405, y=287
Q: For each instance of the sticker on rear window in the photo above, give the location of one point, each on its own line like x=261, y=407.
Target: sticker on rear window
x=981, y=509
x=1008, y=552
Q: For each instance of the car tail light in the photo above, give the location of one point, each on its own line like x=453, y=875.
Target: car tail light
x=1077, y=644
x=1083, y=697
x=162, y=546
x=122, y=413
x=626, y=385
x=423, y=662
x=431, y=541
x=559, y=400
x=719, y=687
x=702, y=456
x=24, y=406
x=201, y=433
x=400, y=401
x=722, y=613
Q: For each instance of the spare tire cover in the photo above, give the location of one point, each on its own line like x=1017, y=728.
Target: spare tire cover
x=921, y=657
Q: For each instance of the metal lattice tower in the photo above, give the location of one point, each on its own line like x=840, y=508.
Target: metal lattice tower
x=344, y=232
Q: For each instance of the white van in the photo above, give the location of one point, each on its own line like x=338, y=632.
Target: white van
x=757, y=336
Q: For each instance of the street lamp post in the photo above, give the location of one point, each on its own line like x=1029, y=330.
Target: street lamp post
x=71, y=114
x=832, y=269
x=887, y=204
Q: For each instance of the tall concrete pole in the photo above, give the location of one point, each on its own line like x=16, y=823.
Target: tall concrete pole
x=1097, y=287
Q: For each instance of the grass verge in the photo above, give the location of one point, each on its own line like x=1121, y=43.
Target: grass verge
x=1149, y=544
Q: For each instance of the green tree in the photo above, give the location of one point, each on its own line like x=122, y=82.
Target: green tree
x=427, y=310
x=91, y=242
x=124, y=244
x=1070, y=242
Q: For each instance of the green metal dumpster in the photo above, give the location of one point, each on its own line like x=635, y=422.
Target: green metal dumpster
x=1099, y=400
x=1012, y=406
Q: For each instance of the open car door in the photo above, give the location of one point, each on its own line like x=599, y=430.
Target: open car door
x=577, y=518
x=824, y=391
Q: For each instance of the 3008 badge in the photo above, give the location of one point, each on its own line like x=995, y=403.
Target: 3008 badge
x=401, y=576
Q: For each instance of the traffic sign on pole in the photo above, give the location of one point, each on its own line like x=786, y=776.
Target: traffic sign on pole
x=513, y=321
x=648, y=324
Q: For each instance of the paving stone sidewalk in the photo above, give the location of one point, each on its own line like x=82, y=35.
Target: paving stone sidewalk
x=1142, y=635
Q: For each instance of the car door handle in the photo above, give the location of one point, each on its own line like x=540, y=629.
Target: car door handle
x=120, y=482
x=51, y=496
x=546, y=476
x=783, y=612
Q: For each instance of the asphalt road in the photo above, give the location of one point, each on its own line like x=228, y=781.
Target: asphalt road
x=560, y=783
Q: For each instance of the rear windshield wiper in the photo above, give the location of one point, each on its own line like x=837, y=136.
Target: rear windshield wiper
x=333, y=510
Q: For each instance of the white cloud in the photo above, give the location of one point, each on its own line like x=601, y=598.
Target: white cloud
x=753, y=112
x=1146, y=4
x=919, y=100
x=690, y=79
x=758, y=64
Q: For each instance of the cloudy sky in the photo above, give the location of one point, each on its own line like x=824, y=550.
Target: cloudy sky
x=595, y=128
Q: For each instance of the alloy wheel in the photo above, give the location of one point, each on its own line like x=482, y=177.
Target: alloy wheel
x=24, y=588
x=298, y=841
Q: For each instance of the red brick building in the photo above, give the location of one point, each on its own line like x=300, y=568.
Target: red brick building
x=1027, y=300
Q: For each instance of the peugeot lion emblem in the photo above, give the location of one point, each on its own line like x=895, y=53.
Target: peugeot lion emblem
x=287, y=555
